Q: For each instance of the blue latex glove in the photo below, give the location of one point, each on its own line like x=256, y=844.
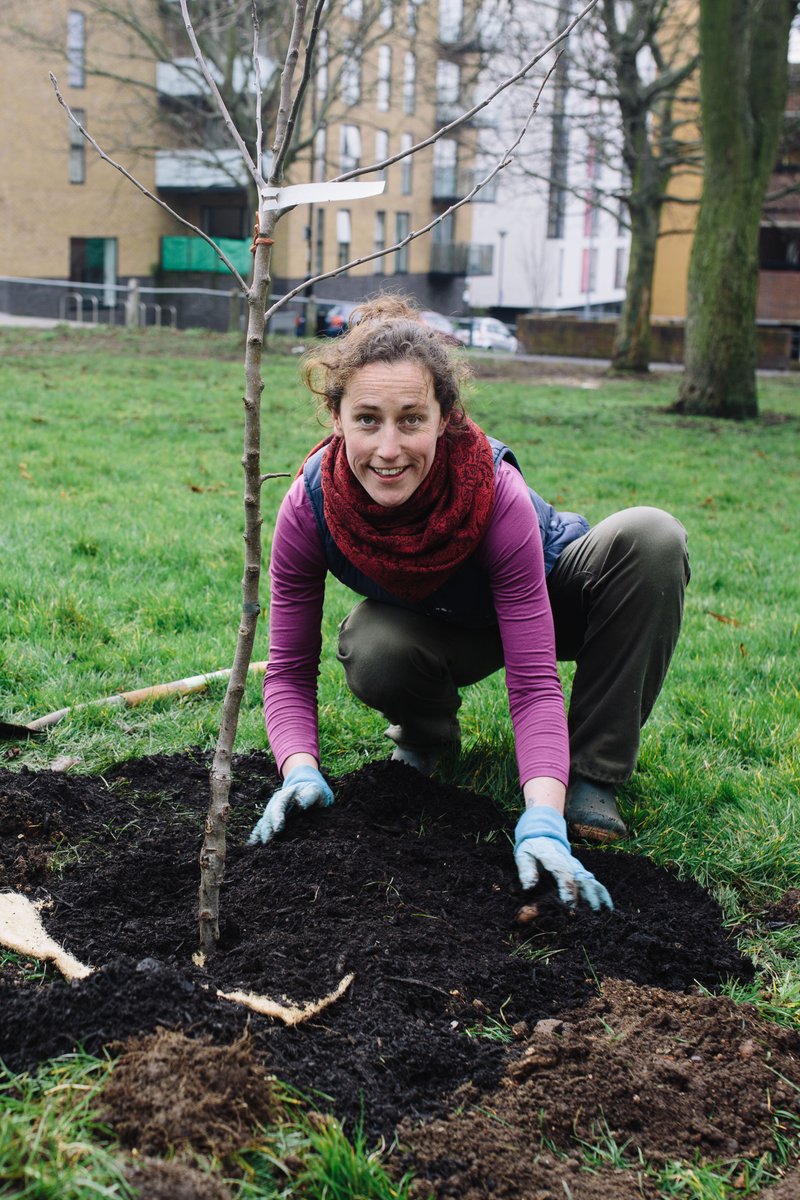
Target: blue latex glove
x=540, y=840
x=302, y=787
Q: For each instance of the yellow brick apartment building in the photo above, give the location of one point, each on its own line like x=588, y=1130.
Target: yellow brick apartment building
x=387, y=76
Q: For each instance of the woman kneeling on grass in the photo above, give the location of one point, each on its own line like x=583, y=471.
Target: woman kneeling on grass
x=465, y=570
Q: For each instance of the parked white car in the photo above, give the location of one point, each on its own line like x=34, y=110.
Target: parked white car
x=486, y=333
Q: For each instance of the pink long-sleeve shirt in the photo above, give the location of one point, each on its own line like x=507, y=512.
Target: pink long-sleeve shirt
x=510, y=553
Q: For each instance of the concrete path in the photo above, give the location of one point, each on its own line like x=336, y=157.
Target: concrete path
x=33, y=322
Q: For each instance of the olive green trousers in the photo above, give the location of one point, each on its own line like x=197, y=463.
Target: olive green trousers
x=616, y=596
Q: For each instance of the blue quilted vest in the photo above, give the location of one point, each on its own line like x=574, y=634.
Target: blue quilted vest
x=466, y=597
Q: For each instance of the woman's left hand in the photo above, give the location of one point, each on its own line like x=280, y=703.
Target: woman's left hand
x=302, y=787
x=540, y=841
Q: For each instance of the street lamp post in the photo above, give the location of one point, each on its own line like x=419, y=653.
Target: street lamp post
x=501, y=233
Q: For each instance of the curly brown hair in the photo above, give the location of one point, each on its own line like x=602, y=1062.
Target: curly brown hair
x=386, y=329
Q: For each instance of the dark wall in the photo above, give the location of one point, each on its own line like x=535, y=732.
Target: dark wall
x=572, y=337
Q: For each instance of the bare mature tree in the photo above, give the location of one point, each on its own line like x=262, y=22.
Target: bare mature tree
x=622, y=109
x=650, y=57
x=273, y=199
x=744, y=80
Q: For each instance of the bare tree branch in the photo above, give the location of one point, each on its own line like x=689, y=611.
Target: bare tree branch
x=145, y=191
x=506, y=158
x=283, y=123
x=257, y=69
x=215, y=92
x=311, y=42
x=476, y=108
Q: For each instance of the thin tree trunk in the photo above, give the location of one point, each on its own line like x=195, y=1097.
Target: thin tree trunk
x=631, y=352
x=212, y=855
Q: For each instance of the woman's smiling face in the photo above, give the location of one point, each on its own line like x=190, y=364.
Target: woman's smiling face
x=391, y=423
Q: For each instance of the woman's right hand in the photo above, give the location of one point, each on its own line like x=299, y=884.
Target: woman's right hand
x=302, y=788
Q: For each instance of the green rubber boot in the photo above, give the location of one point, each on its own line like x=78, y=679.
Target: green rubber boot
x=592, y=813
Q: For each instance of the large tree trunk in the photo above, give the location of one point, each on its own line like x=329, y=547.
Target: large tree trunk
x=744, y=78
x=720, y=352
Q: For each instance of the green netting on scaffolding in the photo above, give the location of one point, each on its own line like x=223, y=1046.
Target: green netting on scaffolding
x=193, y=254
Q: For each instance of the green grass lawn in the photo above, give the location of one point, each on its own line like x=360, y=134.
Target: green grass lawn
x=121, y=554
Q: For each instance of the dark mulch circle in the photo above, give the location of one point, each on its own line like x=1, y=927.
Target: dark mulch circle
x=406, y=882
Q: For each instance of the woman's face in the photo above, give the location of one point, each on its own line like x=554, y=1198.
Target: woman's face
x=391, y=423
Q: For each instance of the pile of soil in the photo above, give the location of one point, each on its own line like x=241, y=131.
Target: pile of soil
x=456, y=1010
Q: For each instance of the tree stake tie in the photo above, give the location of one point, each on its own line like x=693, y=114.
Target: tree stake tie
x=258, y=239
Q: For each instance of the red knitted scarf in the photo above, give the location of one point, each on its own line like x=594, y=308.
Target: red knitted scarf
x=412, y=549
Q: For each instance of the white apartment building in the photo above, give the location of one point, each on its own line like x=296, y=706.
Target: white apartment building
x=558, y=231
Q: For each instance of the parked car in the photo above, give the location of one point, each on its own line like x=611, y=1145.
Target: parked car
x=442, y=325
x=486, y=333
x=332, y=319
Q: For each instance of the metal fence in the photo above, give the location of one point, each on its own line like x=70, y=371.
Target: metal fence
x=134, y=304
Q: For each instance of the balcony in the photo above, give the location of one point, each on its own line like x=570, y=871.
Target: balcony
x=200, y=170
x=181, y=78
x=461, y=34
x=454, y=183
x=450, y=110
x=461, y=258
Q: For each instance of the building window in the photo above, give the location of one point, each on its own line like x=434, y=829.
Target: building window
x=445, y=169
x=379, y=240
x=349, y=147
x=619, y=268
x=556, y=210
x=591, y=215
x=76, y=49
x=77, y=149
x=351, y=75
x=322, y=65
x=443, y=232
x=448, y=90
x=226, y=220
x=411, y=18
x=319, y=242
x=382, y=150
x=319, y=152
x=383, y=96
x=386, y=16
x=402, y=228
x=406, y=164
x=559, y=158
x=409, y=83
x=451, y=13
x=589, y=271
x=343, y=237
x=354, y=9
